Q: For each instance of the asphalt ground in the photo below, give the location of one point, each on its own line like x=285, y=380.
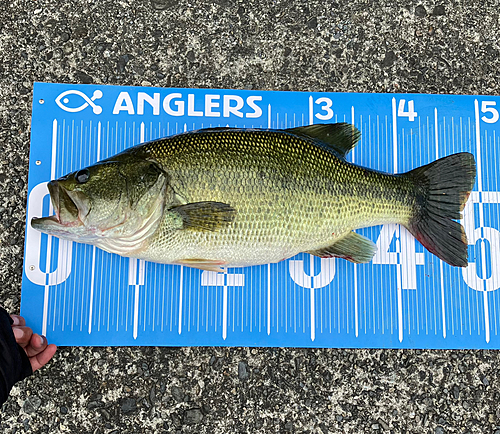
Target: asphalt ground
x=356, y=46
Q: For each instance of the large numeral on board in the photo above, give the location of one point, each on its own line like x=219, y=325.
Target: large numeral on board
x=411, y=114
x=326, y=106
x=487, y=107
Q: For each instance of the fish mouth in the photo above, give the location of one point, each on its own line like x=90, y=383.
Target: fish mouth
x=69, y=207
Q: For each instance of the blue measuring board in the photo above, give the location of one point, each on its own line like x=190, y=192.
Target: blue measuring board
x=404, y=298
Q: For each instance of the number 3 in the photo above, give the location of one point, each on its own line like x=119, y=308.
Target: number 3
x=327, y=107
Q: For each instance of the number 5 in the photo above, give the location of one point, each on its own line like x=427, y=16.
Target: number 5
x=470, y=274
x=486, y=109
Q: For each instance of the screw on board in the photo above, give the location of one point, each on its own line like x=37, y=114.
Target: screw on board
x=41, y=101
x=32, y=268
x=38, y=162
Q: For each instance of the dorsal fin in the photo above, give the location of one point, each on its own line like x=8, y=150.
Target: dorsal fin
x=341, y=137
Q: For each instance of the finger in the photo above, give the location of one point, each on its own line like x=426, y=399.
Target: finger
x=22, y=334
x=38, y=342
x=18, y=320
x=37, y=345
x=42, y=358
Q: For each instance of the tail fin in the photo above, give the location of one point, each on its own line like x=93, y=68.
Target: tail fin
x=443, y=188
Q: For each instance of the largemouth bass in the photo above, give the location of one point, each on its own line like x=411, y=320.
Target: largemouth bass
x=225, y=197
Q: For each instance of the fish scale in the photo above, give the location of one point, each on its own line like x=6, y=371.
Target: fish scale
x=291, y=195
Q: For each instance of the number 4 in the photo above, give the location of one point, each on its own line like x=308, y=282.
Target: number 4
x=405, y=249
x=411, y=114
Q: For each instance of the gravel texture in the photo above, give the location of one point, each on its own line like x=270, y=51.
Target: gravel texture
x=356, y=45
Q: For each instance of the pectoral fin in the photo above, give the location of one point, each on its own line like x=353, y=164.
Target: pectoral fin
x=353, y=247
x=204, y=216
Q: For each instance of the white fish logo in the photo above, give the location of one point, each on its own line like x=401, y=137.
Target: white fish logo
x=63, y=99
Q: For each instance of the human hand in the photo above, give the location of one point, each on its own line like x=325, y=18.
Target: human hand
x=35, y=346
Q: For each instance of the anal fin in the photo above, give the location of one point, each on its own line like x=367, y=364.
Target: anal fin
x=353, y=247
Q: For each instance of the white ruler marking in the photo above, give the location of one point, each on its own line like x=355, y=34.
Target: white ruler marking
x=478, y=156
x=136, y=276
x=224, y=309
x=441, y=268
x=136, y=311
x=313, y=307
x=136, y=279
x=49, y=237
x=485, y=302
x=398, y=266
x=311, y=114
x=268, y=299
x=180, y=297
x=356, y=314
x=92, y=277
x=496, y=245
x=481, y=220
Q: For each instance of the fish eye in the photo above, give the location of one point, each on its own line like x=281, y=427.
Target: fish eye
x=82, y=176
